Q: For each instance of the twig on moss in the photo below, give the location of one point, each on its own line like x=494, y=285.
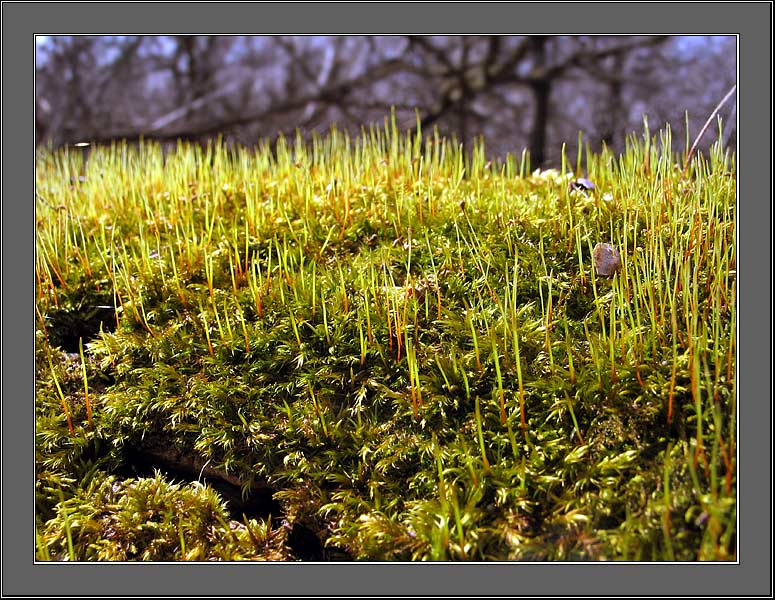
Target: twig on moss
x=705, y=128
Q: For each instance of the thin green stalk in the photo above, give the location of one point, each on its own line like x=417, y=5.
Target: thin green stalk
x=666, y=528
x=85, y=383
x=499, y=379
x=318, y=411
x=480, y=435
x=66, y=525
x=470, y=319
x=206, y=326
x=573, y=417
x=61, y=394
x=569, y=353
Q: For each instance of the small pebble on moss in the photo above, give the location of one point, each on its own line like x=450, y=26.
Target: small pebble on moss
x=607, y=259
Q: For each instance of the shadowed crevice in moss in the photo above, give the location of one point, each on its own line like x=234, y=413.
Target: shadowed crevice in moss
x=252, y=499
x=66, y=327
x=242, y=502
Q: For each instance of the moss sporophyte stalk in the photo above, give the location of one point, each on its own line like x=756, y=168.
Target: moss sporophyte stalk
x=383, y=348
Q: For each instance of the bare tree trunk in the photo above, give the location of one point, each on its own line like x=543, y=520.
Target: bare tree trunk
x=537, y=144
x=541, y=88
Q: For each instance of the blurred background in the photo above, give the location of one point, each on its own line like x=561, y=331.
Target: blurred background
x=517, y=92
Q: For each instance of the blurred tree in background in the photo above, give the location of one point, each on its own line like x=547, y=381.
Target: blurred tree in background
x=533, y=92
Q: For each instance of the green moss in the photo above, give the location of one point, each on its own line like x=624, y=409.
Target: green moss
x=332, y=341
